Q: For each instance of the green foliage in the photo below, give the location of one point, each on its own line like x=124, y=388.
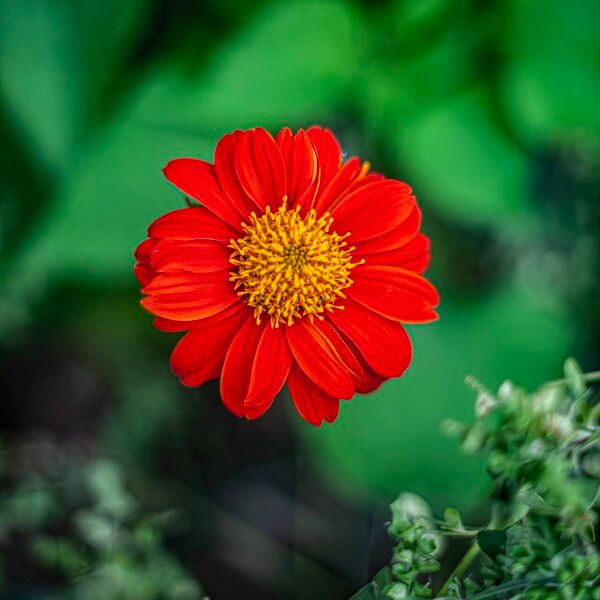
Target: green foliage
x=540, y=540
x=114, y=550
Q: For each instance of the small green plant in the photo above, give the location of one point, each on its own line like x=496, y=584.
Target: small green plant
x=543, y=456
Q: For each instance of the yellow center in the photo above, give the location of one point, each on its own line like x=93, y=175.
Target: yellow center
x=289, y=266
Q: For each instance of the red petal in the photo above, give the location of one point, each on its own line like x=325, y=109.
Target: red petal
x=237, y=368
x=338, y=185
x=168, y=325
x=192, y=224
x=189, y=296
x=197, y=179
x=199, y=355
x=328, y=152
x=143, y=274
x=394, y=238
x=371, y=380
x=394, y=293
x=373, y=209
x=142, y=252
x=225, y=168
x=301, y=167
x=271, y=367
x=384, y=344
x=413, y=256
x=259, y=165
x=194, y=256
x=313, y=404
x=316, y=347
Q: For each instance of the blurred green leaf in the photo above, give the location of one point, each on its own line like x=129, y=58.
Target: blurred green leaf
x=551, y=85
x=374, y=589
x=56, y=58
x=40, y=74
x=575, y=378
x=461, y=163
x=106, y=484
x=452, y=518
x=293, y=63
x=95, y=528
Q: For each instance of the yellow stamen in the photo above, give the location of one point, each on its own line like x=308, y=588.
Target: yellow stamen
x=289, y=266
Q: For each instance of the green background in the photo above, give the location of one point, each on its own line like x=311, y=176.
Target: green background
x=490, y=110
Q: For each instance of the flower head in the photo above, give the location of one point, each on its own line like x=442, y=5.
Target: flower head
x=295, y=267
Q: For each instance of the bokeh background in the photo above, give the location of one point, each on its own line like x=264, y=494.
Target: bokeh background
x=119, y=483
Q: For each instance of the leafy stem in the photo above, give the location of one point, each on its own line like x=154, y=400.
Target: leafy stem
x=460, y=568
x=588, y=377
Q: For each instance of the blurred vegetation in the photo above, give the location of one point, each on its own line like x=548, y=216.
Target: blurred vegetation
x=490, y=111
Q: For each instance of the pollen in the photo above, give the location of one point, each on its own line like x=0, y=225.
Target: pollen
x=288, y=266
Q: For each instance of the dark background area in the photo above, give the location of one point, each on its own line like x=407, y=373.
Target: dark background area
x=490, y=110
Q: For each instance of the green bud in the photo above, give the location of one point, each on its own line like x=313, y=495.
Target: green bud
x=421, y=591
x=426, y=563
x=427, y=544
x=404, y=561
x=396, y=591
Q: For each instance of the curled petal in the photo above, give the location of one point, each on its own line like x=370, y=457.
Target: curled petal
x=313, y=404
x=143, y=251
x=143, y=274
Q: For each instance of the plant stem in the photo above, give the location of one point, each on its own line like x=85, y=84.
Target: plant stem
x=460, y=568
x=592, y=376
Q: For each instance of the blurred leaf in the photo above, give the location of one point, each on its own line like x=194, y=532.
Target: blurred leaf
x=575, y=378
x=452, y=518
x=106, y=484
x=552, y=85
x=292, y=64
x=40, y=74
x=96, y=529
x=395, y=92
x=546, y=97
x=461, y=163
x=32, y=505
x=55, y=59
x=374, y=589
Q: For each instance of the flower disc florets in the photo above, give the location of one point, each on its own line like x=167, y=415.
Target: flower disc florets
x=289, y=266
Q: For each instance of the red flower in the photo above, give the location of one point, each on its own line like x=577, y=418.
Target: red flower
x=297, y=268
